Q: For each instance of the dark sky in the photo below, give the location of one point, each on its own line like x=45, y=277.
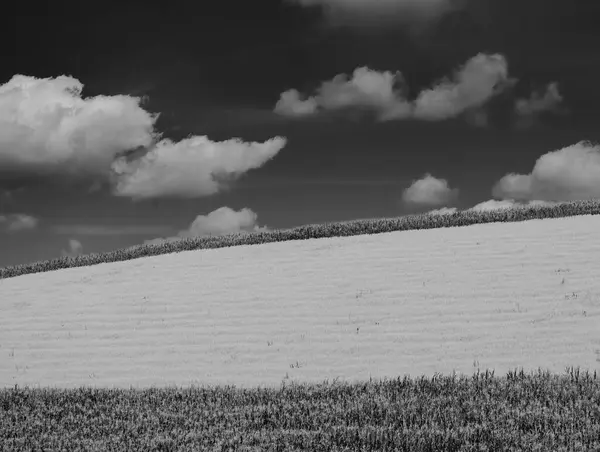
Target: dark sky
x=218, y=69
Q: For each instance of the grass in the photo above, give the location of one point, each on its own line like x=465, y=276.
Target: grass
x=535, y=412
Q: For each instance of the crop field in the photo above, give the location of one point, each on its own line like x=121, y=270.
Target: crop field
x=138, y=349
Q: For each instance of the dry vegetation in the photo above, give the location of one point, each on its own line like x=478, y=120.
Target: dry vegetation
x=535, y=412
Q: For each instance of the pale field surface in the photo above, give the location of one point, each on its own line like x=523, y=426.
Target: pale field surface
x=495, y=296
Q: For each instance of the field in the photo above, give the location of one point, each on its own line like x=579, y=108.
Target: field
x=358, y=303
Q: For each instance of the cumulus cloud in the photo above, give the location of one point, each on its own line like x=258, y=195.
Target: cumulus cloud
x=381, y=12
x=568, y=174
x=191, y=167
x=45, y=124
x=47, y=127
x=18, y=222
x=481, y=78
x=368, y=89
x=75, y=249
x=470, y=88
x=222, y=221
x=429, y=191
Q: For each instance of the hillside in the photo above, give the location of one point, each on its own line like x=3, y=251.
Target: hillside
x=413, y=302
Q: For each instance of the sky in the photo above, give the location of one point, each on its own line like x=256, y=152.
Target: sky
x=137, y=123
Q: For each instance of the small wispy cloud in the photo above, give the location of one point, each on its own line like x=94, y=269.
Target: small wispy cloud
x=540, y=102
x=267, y=182
x=75, y=249
x=378, y=13
x=107, y=230
x=17, y=222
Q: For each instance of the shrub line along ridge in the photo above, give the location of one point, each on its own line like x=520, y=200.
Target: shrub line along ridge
x=315, y=231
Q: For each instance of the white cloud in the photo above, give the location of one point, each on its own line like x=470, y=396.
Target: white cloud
x=381, y=12
x=469, y=90
x=568, y=174
x=190, y=168
x=45, y=124
x=494, y=204
x=481, y=78
x=222, y=221
x=47, y=127
x=291, y=104
x=429, y=191
x=366, y=88
x=75, y=249
x=18, y=222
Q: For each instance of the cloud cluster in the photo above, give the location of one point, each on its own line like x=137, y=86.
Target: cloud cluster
x=468, y=91
x=429, y=191
x=16, y=222
x=47, y=127
x=381, y=12
x=568, y=174
x=492, y=204
x=222, y=221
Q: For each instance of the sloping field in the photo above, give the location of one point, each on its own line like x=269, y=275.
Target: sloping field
x=491, y=296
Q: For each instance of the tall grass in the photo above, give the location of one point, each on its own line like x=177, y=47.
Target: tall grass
x=535, y=412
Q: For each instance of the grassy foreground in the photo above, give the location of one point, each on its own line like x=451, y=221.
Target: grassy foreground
x=535, y=412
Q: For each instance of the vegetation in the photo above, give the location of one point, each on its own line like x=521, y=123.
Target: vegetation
x=536, y=412
x=342, y=229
